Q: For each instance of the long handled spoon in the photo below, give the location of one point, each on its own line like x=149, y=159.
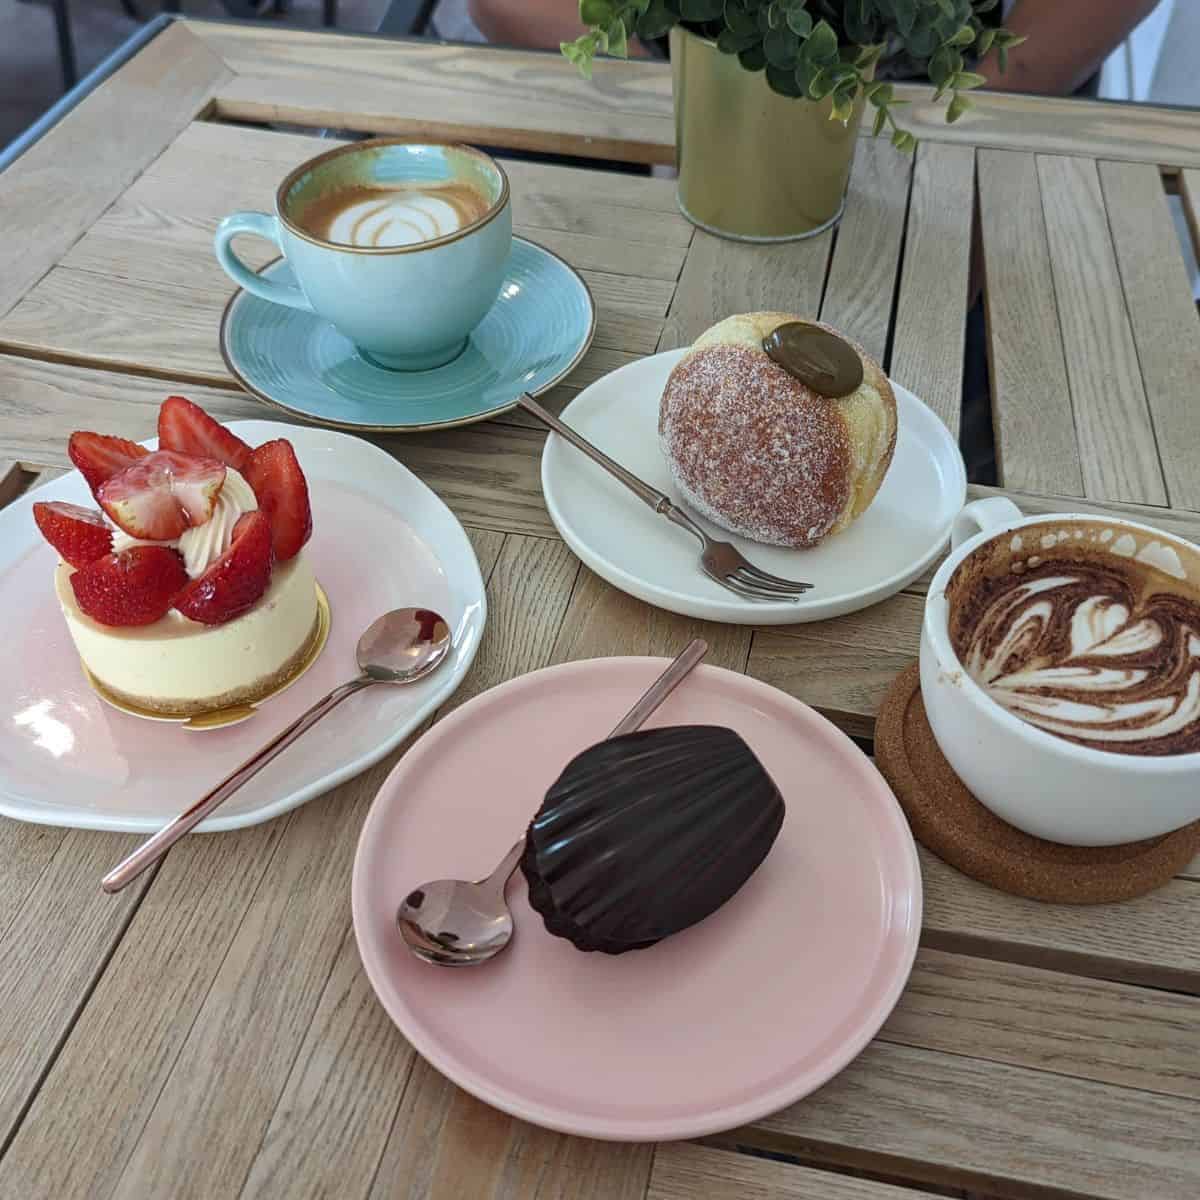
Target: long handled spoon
x=400, y=647
x=457, y=923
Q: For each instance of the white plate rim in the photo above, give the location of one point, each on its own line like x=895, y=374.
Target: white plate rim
x=732, y=610
x=468, y=581
x=664, y=1129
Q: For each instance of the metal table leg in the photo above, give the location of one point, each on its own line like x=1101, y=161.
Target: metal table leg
x=66, y=44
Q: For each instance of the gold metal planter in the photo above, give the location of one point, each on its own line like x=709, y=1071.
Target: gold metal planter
x=753, y=165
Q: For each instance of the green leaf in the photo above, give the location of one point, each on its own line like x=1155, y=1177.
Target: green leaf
x=822, y=44
x=983, y=6
x=1009, y=40
x=964, y=37
x=903, y=140
x=800, y=22
x=942, y=67
x=984, y=42
x=739, y=21
x=782, y=48
x=969, y=79
x=821, y=85
x=843, y=108
x=947, y=7
x=958, y=106
x=729, y=42
x=774, y=16
x=783, y=81
x=701, y=10
x=906, y=16
x=880, y=122
x=656, y=21
x=1002, y=58
x=597, y=12
x=805, y=73
x=881, y=93
x=753, y=59
x=868, y=56
x=618, y=41
x=580, y=52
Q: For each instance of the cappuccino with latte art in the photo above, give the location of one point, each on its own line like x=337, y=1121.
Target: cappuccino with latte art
x=1066, y=627
x=403, y=215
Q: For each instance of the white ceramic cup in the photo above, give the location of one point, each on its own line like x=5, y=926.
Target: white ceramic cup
x=1041, y=783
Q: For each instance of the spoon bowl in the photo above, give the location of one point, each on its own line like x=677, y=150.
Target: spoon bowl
x=403, y=645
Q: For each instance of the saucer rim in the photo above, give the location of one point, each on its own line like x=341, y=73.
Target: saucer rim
x=458, y=422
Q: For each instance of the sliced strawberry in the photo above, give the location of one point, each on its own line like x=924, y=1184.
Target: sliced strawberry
x=279, y=485
x=135, y=587
x=236, y=581
x=186, y=427
x=162, y=494
x=100, y=457
x=80, y=535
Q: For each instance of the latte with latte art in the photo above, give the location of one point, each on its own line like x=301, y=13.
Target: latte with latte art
x=404, y=215
x=1084, y=637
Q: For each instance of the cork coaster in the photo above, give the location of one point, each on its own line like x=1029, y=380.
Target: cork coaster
x=947, y=819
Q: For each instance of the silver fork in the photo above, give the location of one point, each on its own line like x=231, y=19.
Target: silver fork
x=720, y=561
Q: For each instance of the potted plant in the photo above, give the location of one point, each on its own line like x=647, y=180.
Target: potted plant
x=769, y=94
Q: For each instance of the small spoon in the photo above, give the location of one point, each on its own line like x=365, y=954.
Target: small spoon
x=400, y=647
x=456, y=923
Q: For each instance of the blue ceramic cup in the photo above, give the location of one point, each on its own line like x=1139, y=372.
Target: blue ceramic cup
x=408, y=307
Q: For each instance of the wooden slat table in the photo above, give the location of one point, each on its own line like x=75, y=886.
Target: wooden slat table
x=210, y=1032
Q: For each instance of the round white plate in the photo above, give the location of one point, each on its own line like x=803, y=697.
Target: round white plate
x=381, y=540
x=635, y=550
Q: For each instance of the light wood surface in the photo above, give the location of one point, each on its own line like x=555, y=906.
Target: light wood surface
x=930, y=320
x=211, y=1032
x=58, y=187
x=1162, y=313
x=1117, y=449
x=1037, y=449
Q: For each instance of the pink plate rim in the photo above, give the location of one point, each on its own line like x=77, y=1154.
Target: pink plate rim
x=558, y=1119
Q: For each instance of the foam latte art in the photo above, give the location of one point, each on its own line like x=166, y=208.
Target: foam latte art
x=1078, y=650
x=398, y=216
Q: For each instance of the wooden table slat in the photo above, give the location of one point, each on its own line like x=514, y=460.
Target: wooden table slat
x=862, y=276
x=931, y=308
x=964, y=1122
x=683, y=1171
x=1162, y=313
x=722, y=277
x=52, y=951
x=59, y=186
x=1118, y=453
x=1036, y=445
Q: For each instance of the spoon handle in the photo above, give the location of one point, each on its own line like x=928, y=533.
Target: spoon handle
x=662, y=687
x=153, y=848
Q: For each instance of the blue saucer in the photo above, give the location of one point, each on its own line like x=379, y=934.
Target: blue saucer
x=535, y=334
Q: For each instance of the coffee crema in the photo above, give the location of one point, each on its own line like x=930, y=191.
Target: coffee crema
x=1074, y=629
x=405, y=215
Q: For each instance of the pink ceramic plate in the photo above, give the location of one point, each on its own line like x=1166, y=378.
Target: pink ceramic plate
x=381, y=540
x=724, y=1023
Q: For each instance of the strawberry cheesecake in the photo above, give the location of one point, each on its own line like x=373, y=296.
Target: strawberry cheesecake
x=186, y=591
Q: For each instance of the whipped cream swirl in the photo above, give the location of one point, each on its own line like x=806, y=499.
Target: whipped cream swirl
x=1071, y=648
x=202, y=545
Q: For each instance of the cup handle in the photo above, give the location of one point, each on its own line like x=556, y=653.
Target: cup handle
x=980, y=516
x=263, y=226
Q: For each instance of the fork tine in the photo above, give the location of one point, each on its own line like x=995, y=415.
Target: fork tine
x=763, y=577
x=739, y=589
x=744, y=587
x=790, y=591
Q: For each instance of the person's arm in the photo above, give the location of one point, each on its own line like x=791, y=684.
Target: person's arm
x=1068, y=40
x=538, y=24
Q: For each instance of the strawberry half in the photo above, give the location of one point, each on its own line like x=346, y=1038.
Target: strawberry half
x=186, y=427
x=100, y=457
x=80, y=535
x=162, y=494
x=236, y=581
x=135, y=587
x=282, y=492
